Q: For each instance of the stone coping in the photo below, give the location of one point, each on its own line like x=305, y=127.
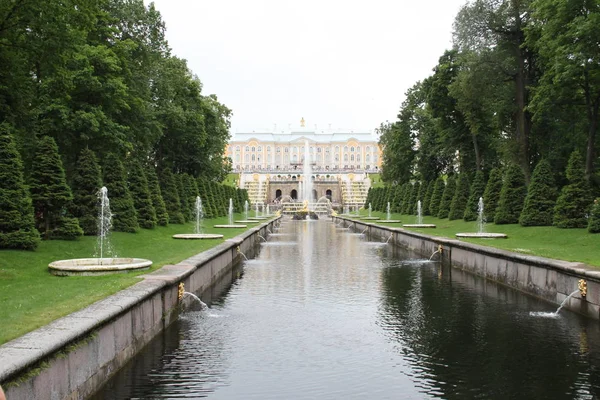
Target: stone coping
x=192, y=236
x=25, y=351
x=567, y=267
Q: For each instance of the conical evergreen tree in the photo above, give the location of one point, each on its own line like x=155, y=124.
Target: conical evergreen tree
x=406, y=198
x=447, y=196
x=414, y=197
x=49, y=190
x=184, y=205
x=140, y=192
x=190, y=189
x=162, y=217
x=460, y=198
x=541, y=197
x=396, y=199
x=427, y=199
x=203, y=191
x=594, y=221
x=17, y=224
x=436, y=197
x=168, y=189
x=575, y=198
x=477, y=189
x=492, y=193
x=87, y=182
x=121, y=203
x=512, y=196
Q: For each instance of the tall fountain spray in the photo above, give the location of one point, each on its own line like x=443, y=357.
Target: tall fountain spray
x=230, y=211
x=256, y=209
x=480, y=217
x=245, y=209
x=103, y=245
x=481, y=233
x=348, y=191
x=307, y=187
x=419, y=213
x=199, y=215
x=388, y=212
x=370, y=208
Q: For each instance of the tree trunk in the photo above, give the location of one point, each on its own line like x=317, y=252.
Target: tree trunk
x=478, y=160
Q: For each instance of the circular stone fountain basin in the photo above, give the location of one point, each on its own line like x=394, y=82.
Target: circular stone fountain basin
x=258, y=218
x=248, y=221
x=419, y=225
x=483, y=235
x=370, y=218
x=230, y=226
x=197, y=236
x=97, y=266
x=390, y=221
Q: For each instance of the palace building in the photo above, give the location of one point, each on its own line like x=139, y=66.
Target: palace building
x=274, y=161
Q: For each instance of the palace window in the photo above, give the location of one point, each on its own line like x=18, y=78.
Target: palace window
x=247, y=158
x=268, y=149
x=253, y=157
x=253, y=149
x=352, y=149
x=368, y=158
x=295, y=149
x=352, y=157
x=345, y=157
x=279, y=150
x=237, y=158
x=368, y=149
x=259, y=148
x=318, y=149
x=358, y=157
x=345, y=149
x=237, y=148
x=286, y=150
x=247, y=148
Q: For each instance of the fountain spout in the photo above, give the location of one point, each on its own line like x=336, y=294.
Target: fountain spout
x=262, y=237
x=390, y=238
x=242, y=254
x=438, y=251
x=565, y=301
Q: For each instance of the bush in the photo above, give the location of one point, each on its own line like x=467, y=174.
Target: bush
x=512, y=196
x=575, y=198
x=414, y=197
x=17, y=225
x=406, y=198
x=436, y=196
x=447, y=196
x=48, y=186
x=87, y=182
x=541, y=197
x=66, y=228
x=492, y=193
x=594, y=221
x=124, y=217
x=162, y=217
x=184, y=205
x=168, y=188
x=140, y=193
x=460, y=198
x=427, y=199
x=477, y=189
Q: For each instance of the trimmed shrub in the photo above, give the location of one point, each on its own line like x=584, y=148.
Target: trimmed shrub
x=447, y=196
x=427, y=198
x=124, y=217
x=594, y=221
x=492, y=193
x=66, y=228
x=184, y=205
x=541, y=197
x=191, y=191
x=168, y=189
x=460, y=198
x=162, y=217
x=436, y=197
x=477, y=189
x=512, y=196
x=140, y=193
x=414, y=197
x=203, y=190
x=87, y=182
x=575, y=198
x=17, y=224
x=406, y=198
x=48, y=186
x=396, y=198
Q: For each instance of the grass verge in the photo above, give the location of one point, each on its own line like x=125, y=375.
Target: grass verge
x=546, y=241
x=31, y=297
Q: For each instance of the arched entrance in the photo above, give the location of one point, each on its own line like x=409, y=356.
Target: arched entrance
x=328, y=194
x=278, y=193
x=314, y=195
x=294, y=194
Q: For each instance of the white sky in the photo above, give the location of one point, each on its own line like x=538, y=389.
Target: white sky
x=346, y=63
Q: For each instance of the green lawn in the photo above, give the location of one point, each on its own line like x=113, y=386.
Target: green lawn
x=31, y=297
x=231, y=180
x=546, y=241
x=375, y=180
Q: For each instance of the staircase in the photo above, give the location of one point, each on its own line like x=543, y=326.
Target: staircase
x=354, y=194
x=257, y=191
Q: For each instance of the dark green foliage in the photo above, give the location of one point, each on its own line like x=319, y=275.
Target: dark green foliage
x=575, y=198
x=460, y=198
x=427, y=198
x=66, y=228
x=184, y=205
x=594, y=220
x=48, y=186
x=447, y=196
x=242, y=195
x=541, y=197
x=190, y=189
x=158, y=203
x=140, y=192
x=406, y=198
x=491, y=195
x=87, y=182
x=512, y=196
x=204, y=193
x=124, y=217
x=477, y=189
x=396, y=198
x=168, y=189
x=17, y=225
x=414, y=197
x=436, y=197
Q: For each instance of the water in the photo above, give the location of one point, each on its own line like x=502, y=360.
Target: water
x=307, y=187
x=199, y=215
x=388, y=212
x=193, y=296
x=332, y=317
x=419, y=213
x=230, y=213
x=565, y=301
x=370, y=210
x=480, y=217
x=103, y=245
x=256, y=214
x=245, y=209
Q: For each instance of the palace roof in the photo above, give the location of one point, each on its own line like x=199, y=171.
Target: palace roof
x=301, y=134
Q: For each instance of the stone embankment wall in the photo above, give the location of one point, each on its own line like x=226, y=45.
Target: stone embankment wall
x=72, y=357
x=548, y=279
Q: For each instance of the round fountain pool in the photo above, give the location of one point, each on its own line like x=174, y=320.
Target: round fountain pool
x=97, y=266
x=390, y=221
x=482, y=235
x=193, y=236
x=419, y=225
x=248, y=221
x=230, y=226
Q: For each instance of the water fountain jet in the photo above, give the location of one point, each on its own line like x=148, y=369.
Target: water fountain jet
x=481, y=227
x=419, y=222
x=388, y=219
x=198, y=234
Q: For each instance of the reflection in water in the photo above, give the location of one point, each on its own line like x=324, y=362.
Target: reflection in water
x=334, y=317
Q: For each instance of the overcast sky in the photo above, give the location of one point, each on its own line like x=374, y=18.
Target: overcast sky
x=346, y=63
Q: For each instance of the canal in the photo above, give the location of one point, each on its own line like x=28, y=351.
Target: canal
x=324, y=313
